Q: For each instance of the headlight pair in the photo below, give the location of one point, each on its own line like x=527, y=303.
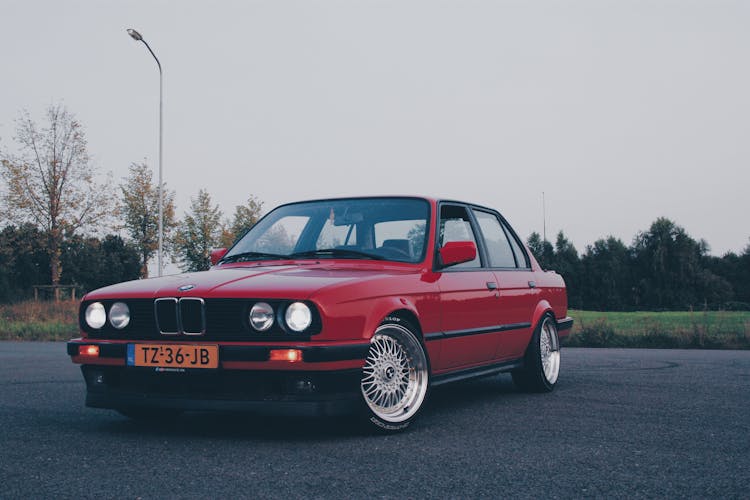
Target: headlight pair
x=96, y=315
x=297, y=317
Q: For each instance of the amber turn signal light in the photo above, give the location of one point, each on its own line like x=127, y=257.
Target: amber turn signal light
x=291, y=355
x=88, y=350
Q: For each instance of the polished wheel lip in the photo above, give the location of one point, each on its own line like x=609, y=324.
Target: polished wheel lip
x=549, y=351
x=395, y=376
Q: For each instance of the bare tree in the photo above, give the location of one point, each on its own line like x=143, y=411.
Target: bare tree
x=139, y=207
x=51, y=181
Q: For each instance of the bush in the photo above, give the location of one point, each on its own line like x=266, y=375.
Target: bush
x=598, y=334
x=736, y=306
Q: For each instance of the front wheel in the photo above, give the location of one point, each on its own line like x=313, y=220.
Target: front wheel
x=395, y=377
x=541, y=364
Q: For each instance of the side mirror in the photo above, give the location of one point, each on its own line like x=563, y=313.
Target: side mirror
x=217, y=254
x=456, y=252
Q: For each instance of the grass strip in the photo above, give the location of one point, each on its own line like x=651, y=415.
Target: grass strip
x=43, y=321
x=50, y=321
x=669, y=330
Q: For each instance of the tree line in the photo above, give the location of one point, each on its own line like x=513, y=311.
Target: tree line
x=663, y=269
x=63, y=225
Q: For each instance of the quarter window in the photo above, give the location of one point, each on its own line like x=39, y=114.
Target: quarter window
x=521, y=259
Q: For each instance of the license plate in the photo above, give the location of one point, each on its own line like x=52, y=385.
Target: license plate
x=173, y=355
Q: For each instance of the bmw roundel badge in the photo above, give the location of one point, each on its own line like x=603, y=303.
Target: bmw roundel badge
x=185, y=288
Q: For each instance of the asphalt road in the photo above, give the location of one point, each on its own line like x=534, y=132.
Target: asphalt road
x=621, y=423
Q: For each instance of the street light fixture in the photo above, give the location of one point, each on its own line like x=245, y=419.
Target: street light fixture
x=138, y=38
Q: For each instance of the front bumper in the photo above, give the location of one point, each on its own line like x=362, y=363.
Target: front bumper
x=274, y=393
x=325, y=382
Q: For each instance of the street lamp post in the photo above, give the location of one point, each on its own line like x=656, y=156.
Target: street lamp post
x=137, y=37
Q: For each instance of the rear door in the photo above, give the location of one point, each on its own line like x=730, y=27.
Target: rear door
x=518, y=293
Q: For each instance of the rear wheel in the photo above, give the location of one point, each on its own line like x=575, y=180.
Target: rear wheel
x=541, y=366
x=395, y=377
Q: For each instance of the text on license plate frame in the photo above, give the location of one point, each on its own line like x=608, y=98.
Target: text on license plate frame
x=173, y=355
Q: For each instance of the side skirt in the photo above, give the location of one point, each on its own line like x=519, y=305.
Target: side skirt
x=481, y=371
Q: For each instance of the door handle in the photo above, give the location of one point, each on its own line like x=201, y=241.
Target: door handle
x=532, y=284
x=491, y=285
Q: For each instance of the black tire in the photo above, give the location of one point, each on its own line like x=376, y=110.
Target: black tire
x=160, y=416
x=541, y=363
x=395, y=378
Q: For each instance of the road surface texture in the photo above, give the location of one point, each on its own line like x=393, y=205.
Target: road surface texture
x=621, y=423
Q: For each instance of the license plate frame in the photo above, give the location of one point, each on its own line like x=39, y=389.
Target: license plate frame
x=192, y=356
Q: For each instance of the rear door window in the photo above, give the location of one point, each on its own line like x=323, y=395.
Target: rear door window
x=496, y=244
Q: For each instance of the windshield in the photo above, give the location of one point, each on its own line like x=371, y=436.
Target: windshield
x=365, y=228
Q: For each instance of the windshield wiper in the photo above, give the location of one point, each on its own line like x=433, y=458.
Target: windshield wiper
x=245, y=256
x=337, y=252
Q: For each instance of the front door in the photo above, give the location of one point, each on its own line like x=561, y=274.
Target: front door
x=468, y=300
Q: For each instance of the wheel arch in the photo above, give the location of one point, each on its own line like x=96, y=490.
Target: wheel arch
x=410, y=317
x=542, y=308
x=396, y=307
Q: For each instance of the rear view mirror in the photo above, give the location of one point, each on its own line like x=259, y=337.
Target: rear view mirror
x=457, y=252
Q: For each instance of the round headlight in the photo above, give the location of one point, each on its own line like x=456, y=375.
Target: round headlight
x=261, y=316
x=298, y=316
x=119, y=315
x=95, y=315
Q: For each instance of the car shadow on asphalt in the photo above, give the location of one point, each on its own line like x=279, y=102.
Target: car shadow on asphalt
x=443, y=402
x=237, y=426
x=467, y=394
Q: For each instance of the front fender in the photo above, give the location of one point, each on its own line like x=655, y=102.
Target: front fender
x=358, y=319
x=384, y=307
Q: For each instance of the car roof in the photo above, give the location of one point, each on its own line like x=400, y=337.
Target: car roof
x=431, y=199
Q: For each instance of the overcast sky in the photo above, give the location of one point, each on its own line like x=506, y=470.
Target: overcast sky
x=621, y=112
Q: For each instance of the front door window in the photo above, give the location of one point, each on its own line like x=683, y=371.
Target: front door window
x=455, y=225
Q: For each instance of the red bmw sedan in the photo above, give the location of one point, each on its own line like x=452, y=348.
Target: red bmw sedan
x=325, y=307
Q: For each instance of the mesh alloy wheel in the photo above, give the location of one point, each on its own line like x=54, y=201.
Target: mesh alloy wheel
x=395, y=376
x=549, y=350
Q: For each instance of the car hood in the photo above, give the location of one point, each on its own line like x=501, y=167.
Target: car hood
x=265, y=281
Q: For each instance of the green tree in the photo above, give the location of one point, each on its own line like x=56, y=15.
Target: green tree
x=23, y=261
x=198, y=233
x=139, y=208
x=92, y=263
x=567, y=263
x=742, y=277
x=543, y=251
x=245, y=217
x=51, y=181
x=670, y=269
x=734, y=271
x=606, y=275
